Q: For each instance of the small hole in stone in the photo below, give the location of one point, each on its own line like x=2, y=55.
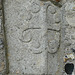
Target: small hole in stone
x=66, y=56
x=69, y=67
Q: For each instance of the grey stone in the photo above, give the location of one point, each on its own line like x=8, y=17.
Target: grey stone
x=70, y=13
x=35, y=7
x=2, y=48
x=39, y=34
x=53, y=41
x=57, y=18
x=25, y=16
x=52, y=9
x=28, y=41
x=53, y=68
x=53, y=20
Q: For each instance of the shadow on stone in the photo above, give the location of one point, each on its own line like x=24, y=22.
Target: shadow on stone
x=69, y=67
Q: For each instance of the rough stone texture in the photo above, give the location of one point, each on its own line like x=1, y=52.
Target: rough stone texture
x=39, y=34
x=2, y=47
x=26, y=37
x=67, y=35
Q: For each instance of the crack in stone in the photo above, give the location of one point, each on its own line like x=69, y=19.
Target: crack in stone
x=31, y=28
x=4, y=38
x=54, y=30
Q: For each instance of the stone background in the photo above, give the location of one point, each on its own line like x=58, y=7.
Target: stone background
x=35, y=36
x=3, y=51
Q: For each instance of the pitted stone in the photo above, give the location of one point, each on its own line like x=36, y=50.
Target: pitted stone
x=70, y=13
x=54, y=20
x=26, y=36
x=53, y=41
x=2, y=45
x=39, y=34
x=51, y=9
x=57, y=18
x=35, y=7
x=27, y=41
x=26, y=15
x=37, y=45
x=53, y=68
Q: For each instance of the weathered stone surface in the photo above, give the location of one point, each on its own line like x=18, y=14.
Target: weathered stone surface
x=39, y=34
x=2, y=46
x=35, y=7
x=53, y=41
x=53, y=17
x=25, y=29
x=53, y=64
x=67, y=33
x=70, y=13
